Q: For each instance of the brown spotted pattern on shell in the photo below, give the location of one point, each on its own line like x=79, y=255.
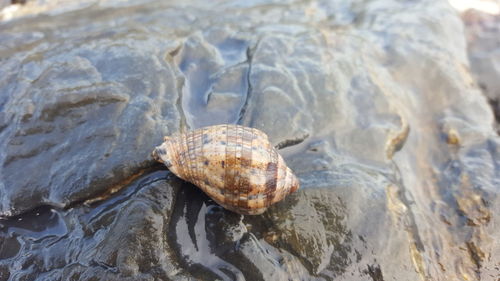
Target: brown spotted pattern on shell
x=235, y=165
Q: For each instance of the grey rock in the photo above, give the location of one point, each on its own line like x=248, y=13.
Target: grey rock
x=68, y=115
x=120, y=239
x=483, y=46
x=371, y=103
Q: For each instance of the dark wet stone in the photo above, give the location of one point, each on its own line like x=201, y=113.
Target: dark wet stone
x=121, y=239
x=371, y=103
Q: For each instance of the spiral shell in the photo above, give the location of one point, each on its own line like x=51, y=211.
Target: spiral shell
x=235, y=165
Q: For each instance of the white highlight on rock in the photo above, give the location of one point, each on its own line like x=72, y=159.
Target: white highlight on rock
x=486, y=6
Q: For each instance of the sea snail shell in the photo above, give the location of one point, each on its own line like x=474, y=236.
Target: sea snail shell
x=235, y=165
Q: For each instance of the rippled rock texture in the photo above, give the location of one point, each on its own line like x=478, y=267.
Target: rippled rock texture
x=372, y=105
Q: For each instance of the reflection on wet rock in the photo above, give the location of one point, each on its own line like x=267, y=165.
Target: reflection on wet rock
x=112, y=239
x=216, y=74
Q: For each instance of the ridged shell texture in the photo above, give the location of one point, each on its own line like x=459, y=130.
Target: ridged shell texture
x=235, y=165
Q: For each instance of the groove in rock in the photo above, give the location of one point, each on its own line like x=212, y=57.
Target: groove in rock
x=291, y=142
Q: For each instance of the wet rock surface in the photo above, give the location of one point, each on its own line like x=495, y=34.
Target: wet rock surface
x=483, y=45
x=372, y=105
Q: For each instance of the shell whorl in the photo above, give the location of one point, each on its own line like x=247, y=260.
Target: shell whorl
x=235, y=165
